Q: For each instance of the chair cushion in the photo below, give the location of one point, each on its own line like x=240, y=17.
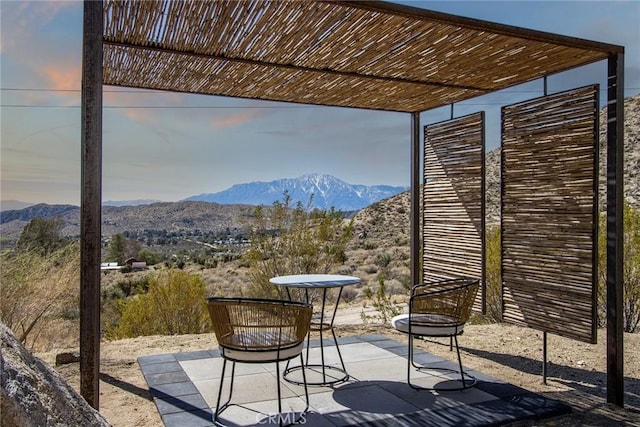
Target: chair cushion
x=430, y=325
x=261, y=355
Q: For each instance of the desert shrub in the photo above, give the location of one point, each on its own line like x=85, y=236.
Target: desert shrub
x=401, y=255
x=127, y=287
x=39, y=292
x=383, y=260
x=371, y=269
x=631, y=269
x=400, y=241
x=175, y=304
x=385, y=306
x=369, y=245
x=294, y=240
x=347, y=269
x=349, y=295
x=493, y=274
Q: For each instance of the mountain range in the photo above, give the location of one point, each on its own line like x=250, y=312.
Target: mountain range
x=326, y=192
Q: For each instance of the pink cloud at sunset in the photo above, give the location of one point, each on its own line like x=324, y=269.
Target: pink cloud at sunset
x=65, y=78
x=140, y=115
x=235, y=119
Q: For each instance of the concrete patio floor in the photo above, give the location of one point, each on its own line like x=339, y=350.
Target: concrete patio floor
x=185, y=388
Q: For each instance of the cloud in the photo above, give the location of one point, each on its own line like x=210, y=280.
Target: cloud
x=62, y=76
x=221, y=122
x=140, y=115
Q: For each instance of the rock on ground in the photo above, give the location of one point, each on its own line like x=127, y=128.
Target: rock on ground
x=33, y=394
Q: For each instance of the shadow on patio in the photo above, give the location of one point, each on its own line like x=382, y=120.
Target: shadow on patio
x=185, y=387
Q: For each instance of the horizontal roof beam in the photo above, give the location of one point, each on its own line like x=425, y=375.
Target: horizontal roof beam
x=293, y=67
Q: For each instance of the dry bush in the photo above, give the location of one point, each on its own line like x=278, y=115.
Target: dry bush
x=39, y=295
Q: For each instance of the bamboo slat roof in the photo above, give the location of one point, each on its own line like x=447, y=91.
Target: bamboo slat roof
x=362, y=54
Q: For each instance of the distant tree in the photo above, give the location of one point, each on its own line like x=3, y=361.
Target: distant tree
x=117, y=250
x=121, y=248
x=42, y=235
x=151, y=258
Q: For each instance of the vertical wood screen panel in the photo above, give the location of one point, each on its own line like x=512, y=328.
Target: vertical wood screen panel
x=453, y=200
x=549, y=213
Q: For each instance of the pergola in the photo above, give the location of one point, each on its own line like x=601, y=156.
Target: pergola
x=357, y=54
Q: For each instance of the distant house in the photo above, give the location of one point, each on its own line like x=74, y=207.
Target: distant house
x=135, y=264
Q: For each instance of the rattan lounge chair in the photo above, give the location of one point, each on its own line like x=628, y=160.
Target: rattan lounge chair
x=438, y=309
x=259, y=331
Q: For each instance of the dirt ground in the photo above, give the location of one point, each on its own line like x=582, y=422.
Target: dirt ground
x=576, y=371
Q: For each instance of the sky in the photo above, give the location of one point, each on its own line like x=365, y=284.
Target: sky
x=168, y=146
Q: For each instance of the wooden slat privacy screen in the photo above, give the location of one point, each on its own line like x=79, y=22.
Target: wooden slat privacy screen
x=453, y=197
x=549, y=213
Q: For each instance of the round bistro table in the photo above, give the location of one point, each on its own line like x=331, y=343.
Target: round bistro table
x=322, y=282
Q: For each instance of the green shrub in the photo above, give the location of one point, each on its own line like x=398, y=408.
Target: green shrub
x=631, y=269
x=175, y=304
x=383, y=260
x=493, y=274
x=294, y=240
x=151, y=258
x=369, y=246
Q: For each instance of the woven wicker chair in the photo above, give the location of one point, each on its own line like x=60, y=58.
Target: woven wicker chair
x=438, y=309
x=259, y=331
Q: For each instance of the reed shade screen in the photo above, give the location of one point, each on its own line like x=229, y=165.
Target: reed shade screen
x=453, y=201
x=549, y=213
x=372, y=55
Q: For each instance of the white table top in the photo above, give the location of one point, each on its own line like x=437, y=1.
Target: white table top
x=315, y=280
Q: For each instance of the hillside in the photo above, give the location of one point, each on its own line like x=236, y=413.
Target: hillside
x=172, y=217
x=399, y=206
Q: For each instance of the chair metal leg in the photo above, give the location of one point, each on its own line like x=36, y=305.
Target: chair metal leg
x=466, y=379
x=224, y=406
x=279, y=394
x=462, y=372
x=306, y=395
